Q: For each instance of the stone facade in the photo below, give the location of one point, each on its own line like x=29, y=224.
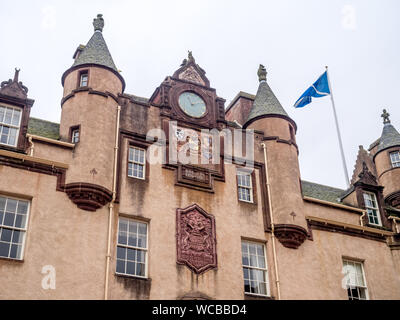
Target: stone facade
x=191, y=221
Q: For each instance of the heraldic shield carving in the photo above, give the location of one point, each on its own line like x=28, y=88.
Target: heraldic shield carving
x=195, y=239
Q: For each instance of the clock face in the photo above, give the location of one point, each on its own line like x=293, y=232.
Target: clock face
x=192, y=104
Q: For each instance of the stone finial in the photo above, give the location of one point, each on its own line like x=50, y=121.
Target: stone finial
x=385, y=115
x=16, y=74
x=98, y=23
x=262, y=73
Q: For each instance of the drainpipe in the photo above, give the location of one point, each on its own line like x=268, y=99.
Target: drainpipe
x=272, y=222
x=111, y=205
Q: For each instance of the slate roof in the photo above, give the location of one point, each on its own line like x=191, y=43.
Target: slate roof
x=44, y=128
x=96, y=52
x=265, y=103
x=390, y=137
x=321, y=192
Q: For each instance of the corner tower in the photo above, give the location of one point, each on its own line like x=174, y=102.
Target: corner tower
x=387, y=162
x=88, y=118
x=268, y=115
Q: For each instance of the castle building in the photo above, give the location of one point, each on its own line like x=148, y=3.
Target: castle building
x=178, y=197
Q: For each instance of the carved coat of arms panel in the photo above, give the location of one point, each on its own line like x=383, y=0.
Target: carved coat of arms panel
x=196, y=240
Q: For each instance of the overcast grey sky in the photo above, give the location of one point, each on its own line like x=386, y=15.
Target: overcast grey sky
x=358, y=40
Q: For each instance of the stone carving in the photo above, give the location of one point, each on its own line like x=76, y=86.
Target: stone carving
x=14, y=88
x=190, y=74
x=98, y=23
x=385, y=115
x=291, y=236
x=195, y=239
x=88, y=196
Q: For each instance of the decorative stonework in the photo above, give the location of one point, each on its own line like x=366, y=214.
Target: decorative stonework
x=88, y=196
x=14, y=88
x=190, y=74
x=195, y=239
x=393, y=199
x=291, y=236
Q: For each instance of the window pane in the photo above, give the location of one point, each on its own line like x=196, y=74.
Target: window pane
x=11, y=205
x=122, y=237
x=8, y=116
x=2, y=112
x=121, y=253
x=22, y=207
x=15, y=118
x=9, y=219
x=6, y=235
x=2, y=203
x=4, y=249
x=131, y=254
x=140, y=269
x=120, y=266
x=130, y=267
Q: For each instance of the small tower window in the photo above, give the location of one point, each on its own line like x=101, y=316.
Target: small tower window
x=75, y=136
x=371, y=206
x=395, y=158
x=84, y=78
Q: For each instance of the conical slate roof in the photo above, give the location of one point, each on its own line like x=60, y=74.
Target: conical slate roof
x=265, y=102
x=390, y=137
x=96, y=51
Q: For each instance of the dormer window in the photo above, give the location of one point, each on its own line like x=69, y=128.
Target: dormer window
x=395, y=159
x=83, y=79
x=371, y=205
x=10, y=121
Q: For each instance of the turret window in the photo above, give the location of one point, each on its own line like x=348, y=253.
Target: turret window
x=371, y=205
x=10, y=121
x=84, y=79
x=395, y=158
x=137, y=163
x=75, y=136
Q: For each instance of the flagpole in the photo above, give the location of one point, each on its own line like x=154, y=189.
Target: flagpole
x=338, y=131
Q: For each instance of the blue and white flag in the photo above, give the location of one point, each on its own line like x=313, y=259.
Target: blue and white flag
x=319, y=88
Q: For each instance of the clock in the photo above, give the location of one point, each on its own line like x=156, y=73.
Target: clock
x=192, y=104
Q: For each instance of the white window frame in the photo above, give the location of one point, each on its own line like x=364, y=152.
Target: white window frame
x=73, y=136
x=265, y=270
x=17, y=127
x=133, y=162
x=240, y=186
x=24, y=230
x=126, y=246
x=395, y=162
x=370, y=208
x=84, y=74
x=365, y=286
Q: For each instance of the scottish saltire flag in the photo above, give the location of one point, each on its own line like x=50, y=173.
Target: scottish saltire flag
x=319, y=88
